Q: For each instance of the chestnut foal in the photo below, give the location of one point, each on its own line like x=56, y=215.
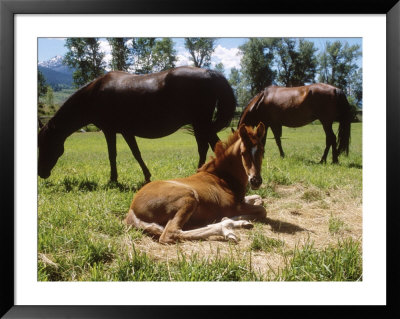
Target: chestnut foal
x=211, y=202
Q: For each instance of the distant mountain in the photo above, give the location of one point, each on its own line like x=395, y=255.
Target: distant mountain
x=57, y=74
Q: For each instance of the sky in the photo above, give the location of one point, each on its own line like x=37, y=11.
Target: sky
x=226, y=50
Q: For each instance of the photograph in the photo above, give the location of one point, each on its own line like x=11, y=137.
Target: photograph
x=200, y=159
x=165, y=158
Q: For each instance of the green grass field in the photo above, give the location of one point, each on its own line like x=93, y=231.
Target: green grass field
x=314, y=230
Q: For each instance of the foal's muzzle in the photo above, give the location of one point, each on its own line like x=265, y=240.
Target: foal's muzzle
x=255, y=182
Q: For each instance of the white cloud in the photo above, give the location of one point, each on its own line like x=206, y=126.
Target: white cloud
x=230, y=58
x=183, y=57
x=106, y=49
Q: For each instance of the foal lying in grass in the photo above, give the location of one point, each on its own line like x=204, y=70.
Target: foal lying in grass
x=211, y=202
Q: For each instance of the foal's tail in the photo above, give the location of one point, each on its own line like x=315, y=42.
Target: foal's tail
x=345, y=119
x=226, y=102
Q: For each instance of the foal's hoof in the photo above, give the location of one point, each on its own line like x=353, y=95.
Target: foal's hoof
x=247, y=225
x=232, y=237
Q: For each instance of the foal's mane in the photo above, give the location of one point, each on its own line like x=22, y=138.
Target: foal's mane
x=220, y=152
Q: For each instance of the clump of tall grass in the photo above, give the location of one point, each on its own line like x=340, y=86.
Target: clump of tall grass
x=334, y=263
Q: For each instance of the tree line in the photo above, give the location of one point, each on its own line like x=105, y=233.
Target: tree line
x=265, y=61
x=294, y=62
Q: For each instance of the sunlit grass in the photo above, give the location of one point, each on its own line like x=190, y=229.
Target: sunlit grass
x=82, y=237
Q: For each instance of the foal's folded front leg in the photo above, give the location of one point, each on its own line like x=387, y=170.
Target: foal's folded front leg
x=253, y=199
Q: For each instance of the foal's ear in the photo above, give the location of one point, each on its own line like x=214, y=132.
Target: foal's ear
x=260, y=130
x=243, y=132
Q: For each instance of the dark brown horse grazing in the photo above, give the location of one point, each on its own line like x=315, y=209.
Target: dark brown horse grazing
x=186, y=208
x=149, y=106
x=297, y=106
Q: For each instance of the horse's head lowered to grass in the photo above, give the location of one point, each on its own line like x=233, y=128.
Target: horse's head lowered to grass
x=51, y=147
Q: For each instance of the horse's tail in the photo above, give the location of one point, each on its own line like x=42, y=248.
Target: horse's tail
x=226, y=102
x=345, y=118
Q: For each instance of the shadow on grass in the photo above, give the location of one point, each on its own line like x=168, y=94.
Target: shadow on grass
x=283, y=227
x=88, y=185
x=355, y=165
x=124, y=187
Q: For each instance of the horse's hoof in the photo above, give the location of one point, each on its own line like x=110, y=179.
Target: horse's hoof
x=232, y=237
x=247, y=225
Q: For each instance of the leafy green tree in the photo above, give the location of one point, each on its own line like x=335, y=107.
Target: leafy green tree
x=234, y=78
x=164, y=55
x=142, y=51
x=239, y=87
x=200, y=50
x=338, y=63
x=355, y=88
x=256, y=63
x=85, y=57
x=152, y=55
x=42, y=88
x=296, y=63
x=119, y=54
x=286, y=60
x=220, y=68
x=49, y=96
x=307, y=62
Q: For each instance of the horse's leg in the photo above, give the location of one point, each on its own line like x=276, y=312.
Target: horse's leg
x=131, y=140
x=253, y=199
x=152, y=228
x=186, y=206
x=277, y=130
x=249, y=212
x=223, y=228
x=112, y=153
x=212, y=140
x=330, y=141
x=202, y=143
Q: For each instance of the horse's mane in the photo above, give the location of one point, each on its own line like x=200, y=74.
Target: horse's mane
x=220, y=152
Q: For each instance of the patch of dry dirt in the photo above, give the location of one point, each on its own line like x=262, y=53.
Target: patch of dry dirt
x=297, y=214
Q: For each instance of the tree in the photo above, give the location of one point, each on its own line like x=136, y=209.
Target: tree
x=240, y=89
x=220, y=68
x=164, y=55
x=307, y=62
x=200, y=50
x=85, y=57
x=355, y=87
x=296, y=63
x=152, y=55
x=338, y=64
x=119, y=54
x=286, y=60
x=234, y=78
x=42, y=88
x=49, y=96
x=256, y=63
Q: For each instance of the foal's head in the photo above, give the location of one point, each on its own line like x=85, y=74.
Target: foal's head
x=51, y=147
x=252, y=152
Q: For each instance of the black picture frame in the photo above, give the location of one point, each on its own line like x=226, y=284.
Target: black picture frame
x=8, y=9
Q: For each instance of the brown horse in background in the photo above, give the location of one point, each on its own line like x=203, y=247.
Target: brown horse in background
x=297, y=106
x=186, y=208
x=148, y=106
